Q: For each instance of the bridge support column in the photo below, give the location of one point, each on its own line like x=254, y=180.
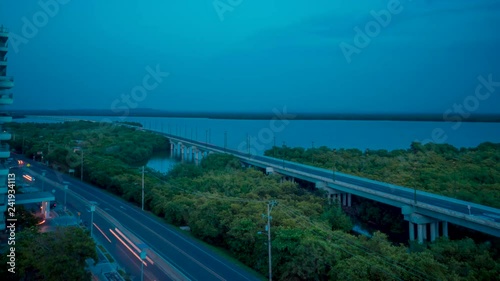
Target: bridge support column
x=445, y=229
x=171, y=149
x=425, y=231
x=420, y=235
x=348, y=199
x=434, y=231
x=344, y=199
x=412, y=231
x=195, y=156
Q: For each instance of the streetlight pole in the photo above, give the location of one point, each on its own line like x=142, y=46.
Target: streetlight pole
x=143, y=257
x=81, y=165
x=270, y=206
x=65, y=191
x=143, y=187
x=92, y=209
x=312, y=152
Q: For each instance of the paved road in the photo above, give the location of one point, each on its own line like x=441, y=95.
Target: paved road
x=438, y=201
x=187, y=255
x=104, y=231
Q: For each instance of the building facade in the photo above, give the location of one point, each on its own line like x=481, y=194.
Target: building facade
x=6, y=84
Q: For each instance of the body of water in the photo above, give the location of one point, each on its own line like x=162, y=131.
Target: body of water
x=263, y=134
x=161, y=162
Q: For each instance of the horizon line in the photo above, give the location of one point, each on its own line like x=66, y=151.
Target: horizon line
x=276, y=114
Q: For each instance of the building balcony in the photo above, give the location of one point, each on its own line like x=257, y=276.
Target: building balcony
x=3, y=205
x=4, y=48
x=3, y=62
x=4, y=136
x=4, y=171
x=6, y=99
x=6, y=82
x=5, y=117
x=4, y=151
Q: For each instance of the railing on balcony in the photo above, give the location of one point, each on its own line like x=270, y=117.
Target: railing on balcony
x=6, y=96
x=6, y=78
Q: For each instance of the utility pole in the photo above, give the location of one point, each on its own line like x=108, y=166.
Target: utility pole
x=81, y=166
x=274, y=147
x=225, y=141
x=312, y=152
x=143, y=187
x=270, y=206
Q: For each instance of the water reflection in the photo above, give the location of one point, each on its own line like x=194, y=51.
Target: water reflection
x=162, y=162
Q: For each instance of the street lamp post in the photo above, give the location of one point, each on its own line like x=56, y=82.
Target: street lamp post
x=81, y=165
x=312, y=152
x=65, y=191
x=143, y=188
x=92, y=210
x=143, y=257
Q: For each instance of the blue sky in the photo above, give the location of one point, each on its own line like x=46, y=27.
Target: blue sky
x=255, y=55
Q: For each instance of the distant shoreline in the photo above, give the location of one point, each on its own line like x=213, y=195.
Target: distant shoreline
x=486, y=118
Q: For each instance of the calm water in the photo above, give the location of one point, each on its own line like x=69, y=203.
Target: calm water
x=161, y=162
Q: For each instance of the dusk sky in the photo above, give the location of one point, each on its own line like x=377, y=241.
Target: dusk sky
x=255, y=55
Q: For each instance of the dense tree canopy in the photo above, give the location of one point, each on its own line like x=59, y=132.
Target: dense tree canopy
x=225, y=204
x=471, y=174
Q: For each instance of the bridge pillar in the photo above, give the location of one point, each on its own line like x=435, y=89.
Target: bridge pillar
x=425, y=231
x=348, y=199
x=420, y=235
x=412, y=231
x=171, y=149
x=344, y=199
x=434, y=231
x=445, y=229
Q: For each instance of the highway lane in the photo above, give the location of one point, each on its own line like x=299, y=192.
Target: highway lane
x=403, y=192
x=105, y=233
x=189, y=256
x=121, y=251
